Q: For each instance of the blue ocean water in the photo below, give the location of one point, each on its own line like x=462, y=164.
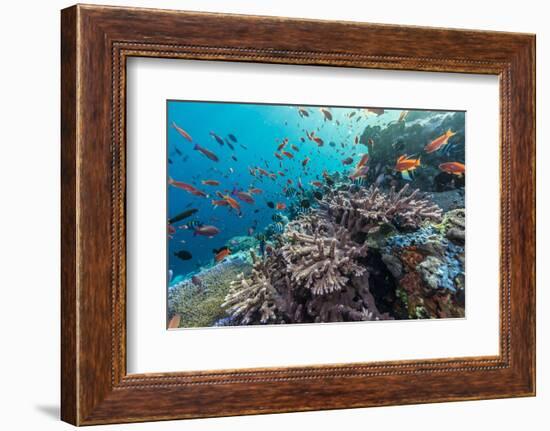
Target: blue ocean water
x=258, y=131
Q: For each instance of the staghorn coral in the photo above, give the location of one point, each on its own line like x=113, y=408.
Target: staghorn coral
x=364, y=209
x=322, y=259
x=314, y=276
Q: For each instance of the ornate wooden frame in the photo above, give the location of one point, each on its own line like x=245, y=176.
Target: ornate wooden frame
x=96, y=41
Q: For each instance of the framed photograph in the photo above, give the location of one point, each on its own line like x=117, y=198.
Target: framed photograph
x=267, y=212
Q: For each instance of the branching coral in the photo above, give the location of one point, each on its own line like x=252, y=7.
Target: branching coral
x=323, y=259
x=315, y=276
x=252, y=298
x=318, y=272
x=364, y=209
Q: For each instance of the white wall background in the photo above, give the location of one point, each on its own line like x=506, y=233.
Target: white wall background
x=29, y=216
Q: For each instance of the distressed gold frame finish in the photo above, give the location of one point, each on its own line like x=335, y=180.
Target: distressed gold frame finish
x=96, y=42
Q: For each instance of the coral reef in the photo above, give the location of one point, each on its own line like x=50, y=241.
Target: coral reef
x=198, y=299
x=429, y=271
x=364, y=209
x=242, y=244
x=319, y=271
x=252, y=298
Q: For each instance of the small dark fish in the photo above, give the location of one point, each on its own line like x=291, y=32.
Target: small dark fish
x=352, y=114
x=377, y=111
x=243, y=147
x=302, y=139
x=178, y=152
x=182, y=215
x=271, y=204
x=183, y=255
x=232, y=137
x=326, y=114
x=229, y=144
x=256, y=211
x=170, y=161
x=262, y=247
x=218, y=138
x=347, y=161
x=305, y=203
x=303, y=112
x=234, y=158
x=209, y=154
x=318, y=195
x=332, y=144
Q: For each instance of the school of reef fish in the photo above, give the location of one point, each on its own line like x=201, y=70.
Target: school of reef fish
x=380, y=238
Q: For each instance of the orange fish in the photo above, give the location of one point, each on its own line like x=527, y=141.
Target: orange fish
x=438, y=142
x=187, y=187
x=263, y=172
x=182, y=132
x=210, y=182
x=364, y=160
x=280, y=205
x=180, y=185
x=455, y=168
x=281, y=145
x=221, y=254
x=317, y=183
x=282, y=174
x=278, y=156
x=406, y=164
x=232, y=203
x=219, y=203
x=174, y=321
x=289, y=155
x=319, y=141
x=255, y=191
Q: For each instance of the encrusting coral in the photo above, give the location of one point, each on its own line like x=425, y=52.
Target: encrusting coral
x=318, y=272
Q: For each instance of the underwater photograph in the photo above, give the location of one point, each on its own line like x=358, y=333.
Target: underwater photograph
x=280, y=214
